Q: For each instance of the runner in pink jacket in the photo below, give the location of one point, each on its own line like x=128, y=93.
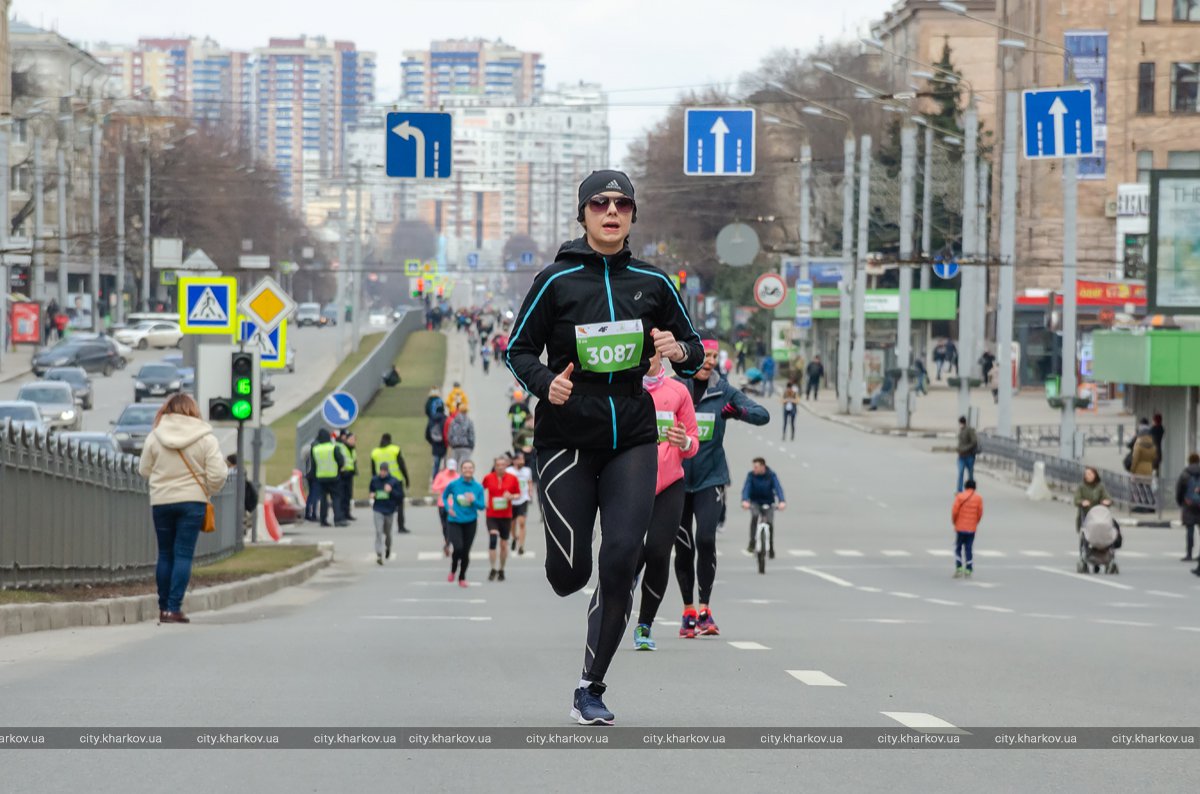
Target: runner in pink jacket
x=678, y=438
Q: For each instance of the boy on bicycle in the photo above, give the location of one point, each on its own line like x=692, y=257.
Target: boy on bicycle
x=759, y=495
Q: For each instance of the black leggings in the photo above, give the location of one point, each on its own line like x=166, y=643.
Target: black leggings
x=789, y=416
x=664, y=523
x=461, y=536
x=696, y=549
x=573, y=484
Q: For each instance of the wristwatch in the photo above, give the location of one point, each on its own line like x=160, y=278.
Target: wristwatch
x=687, y=443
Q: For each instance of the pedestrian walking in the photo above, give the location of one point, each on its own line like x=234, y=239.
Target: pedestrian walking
x=951, y=356
x=347, y=444
x=435, y=435
x=183, y=463
x=460, y=437
x=389, y=453
x=1088, y=494
x=791, y=404
x=968, y=448
x=325, y=464
x=922, y=375
x=1187, y=497
x=387, y=495
x=966, y=514
x=939, y=357
x=768, y=371
x=598, y=315
x=436, y=489
x=457, y=400
x=814, y=373
x=739, y=349
x=462, y=499
x=501, y=489
x=433, y=402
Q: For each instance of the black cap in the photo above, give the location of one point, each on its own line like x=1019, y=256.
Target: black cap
x=602, y=182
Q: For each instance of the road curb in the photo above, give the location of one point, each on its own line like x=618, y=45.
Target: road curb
x=26, y=618
x=874, y=431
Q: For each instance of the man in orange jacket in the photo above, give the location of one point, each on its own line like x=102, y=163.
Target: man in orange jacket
x=966, y=515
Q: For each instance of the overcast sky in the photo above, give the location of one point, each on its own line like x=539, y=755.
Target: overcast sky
x=626, y=45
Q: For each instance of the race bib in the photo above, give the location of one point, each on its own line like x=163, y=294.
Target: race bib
x=463, y=500
x=499, y=502
x=666, y=420
x=609, y=347
x=382, y=495
x=705, y=423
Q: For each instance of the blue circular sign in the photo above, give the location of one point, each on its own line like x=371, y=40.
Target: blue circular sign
x=339, y=410
x=945, y=270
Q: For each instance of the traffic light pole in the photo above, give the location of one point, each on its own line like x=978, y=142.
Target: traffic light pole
x=241, y=475
x=256, y=445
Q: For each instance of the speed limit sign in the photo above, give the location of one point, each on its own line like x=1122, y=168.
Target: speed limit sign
x=769, y=290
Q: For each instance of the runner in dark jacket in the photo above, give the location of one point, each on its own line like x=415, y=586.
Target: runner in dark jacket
x=599, y=315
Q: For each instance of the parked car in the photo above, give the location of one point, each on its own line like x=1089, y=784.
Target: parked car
x=287, y=506
x=22, y=412
x=134, y=424
x=156, y=380
x=55, y=401
x=330, y=313
x=94, y=355
x=310, y=314
x=187, y=375
x=156, y=333
x=77, y=378
x=105, y=441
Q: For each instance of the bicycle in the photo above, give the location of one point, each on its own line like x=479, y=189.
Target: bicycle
x=762, y=536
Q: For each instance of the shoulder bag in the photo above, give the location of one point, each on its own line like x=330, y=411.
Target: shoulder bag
x=210, y=514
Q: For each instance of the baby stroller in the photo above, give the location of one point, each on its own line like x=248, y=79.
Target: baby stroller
x=752, y=383
x=1099, y=538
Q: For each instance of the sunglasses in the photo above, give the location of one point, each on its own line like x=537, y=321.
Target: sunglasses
x=624, y=204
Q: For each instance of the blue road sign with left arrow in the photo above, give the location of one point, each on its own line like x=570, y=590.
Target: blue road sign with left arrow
x=419, y=145
x=719, y=142
x=339, y=409
x=1058, y=123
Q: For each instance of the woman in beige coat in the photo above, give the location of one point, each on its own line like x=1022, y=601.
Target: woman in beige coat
x=183, y=462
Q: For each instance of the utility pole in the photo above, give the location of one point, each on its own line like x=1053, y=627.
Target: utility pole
x=1006, y=294
x=927, y=213
x=341, y=274
x=983, y=253
x=847, y=271
x=858, y=379
x=1066, y=435
x=37, y=287
x=966, y=342
x=5, y=222
x=97, y=322
x=908, y=195
x=356, y=309
x=805, y=238
x=146, y=228
x=63, y=243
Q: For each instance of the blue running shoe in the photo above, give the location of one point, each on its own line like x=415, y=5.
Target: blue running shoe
x=589, y=709
x=641, y=638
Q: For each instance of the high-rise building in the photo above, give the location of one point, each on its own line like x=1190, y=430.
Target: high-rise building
x=471, y=66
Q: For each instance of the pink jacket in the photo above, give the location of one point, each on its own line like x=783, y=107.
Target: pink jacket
x=672, y=397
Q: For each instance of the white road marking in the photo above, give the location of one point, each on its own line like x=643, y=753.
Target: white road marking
x=1109, y=622
x=990, y=553
x=743, y=645
x=1170, y=554
x=887, y=621
x=1003, y=610
x=896, y=553
x=943, y=602
x=984, y=585
x=1095, y=579
x=940, y=552
x=920, y=721
x=883, y=505
x=1035, y=553
x=848, y=552
x=1163, y=593
x=758, y=601
x=805, y=465
x=1136, y=555
x=440, y=600
x=1047, y=616
x=1188, y=628
x=899, y=594
x=802, y=552
x=870, y=589
x=814, y=678
x=425, y=617
x=444, y=583
x=826, y=576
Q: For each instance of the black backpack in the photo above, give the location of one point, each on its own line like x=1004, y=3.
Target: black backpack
x=1191, y=497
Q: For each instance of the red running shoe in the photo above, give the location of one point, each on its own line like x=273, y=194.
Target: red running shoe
x=705, y=626
x=688, y=627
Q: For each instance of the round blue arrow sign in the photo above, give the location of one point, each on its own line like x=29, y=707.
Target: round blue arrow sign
x=339, y=409
x=945, y=270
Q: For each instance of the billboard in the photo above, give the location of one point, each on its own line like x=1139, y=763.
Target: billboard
x=1173, y=281
x=1088, y=50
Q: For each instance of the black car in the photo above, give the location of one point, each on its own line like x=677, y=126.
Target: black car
x=187, y=375
x=93, y=355
x=80, y=383
x=156, y=380
x=134, y=424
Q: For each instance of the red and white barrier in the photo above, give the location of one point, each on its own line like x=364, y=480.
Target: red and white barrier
x=267, y=508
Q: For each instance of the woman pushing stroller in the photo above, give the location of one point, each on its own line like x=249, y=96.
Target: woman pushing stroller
x=1099, y=533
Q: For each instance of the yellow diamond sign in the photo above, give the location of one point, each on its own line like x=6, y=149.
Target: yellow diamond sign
x=267, y=305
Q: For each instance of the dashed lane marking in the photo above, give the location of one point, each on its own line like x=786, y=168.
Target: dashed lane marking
x=743, y=645
x=984, y=585
x=848, y=552
x=943, y=602
x=899, y=594
x=985, y=608
x=814, y=678
x=886, y=621
x=940, y=552
x=990, y=553
x=1164, y=594
x=826, y=576
x=1111, y=622
x=1188, y=628
x=802, y=552
x=896, y=553
x=1095, y=579
x=440, y=600
x=883, y=505
x=870, y=589
x=471, y=618
x=920, y=721
x=1136, y=555
x=430, y=556
x=1035, y=553
x=1047, y=616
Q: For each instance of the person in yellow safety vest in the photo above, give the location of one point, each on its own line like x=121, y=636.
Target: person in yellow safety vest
x=389, y=453
x=456, y=400
x=325, y=461
x=346, y=444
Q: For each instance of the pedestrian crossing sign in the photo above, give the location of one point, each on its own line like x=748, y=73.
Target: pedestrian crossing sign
x=271, y=345
x=207, y=305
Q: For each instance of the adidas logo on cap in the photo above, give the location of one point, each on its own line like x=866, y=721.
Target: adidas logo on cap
x=612, y=185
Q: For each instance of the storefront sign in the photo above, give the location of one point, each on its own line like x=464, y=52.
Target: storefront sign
x=1174, y=272
x=1095, y=293
x=1133, y=200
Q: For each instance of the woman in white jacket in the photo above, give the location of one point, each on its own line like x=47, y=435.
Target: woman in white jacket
x=183, y=462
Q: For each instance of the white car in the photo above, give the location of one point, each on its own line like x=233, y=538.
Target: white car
x=378, y=318
x=157, y=333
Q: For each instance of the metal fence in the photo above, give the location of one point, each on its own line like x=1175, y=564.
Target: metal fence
x=364, y=381
x=1129, y=491
x=73, y=514
x=1098, y=435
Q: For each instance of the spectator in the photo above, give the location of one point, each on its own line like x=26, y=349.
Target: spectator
x=951, y=356
x=456, y=400
x=768, y=371
x=251, y=500
x=1187, y=496
x=1157, y=431
x=815, y=372
x=433, y=402
x=791, y=403
x=968, y=448
x=922, y=375
x=460, y=437
x=1145, y=453
x=966, y=514
x=939, y=357
x=739, y=349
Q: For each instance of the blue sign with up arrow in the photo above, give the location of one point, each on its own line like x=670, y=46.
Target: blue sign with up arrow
x=1058, y=123
x=945, y=270
x=718, y=142
x=419, y=145
x=527, y=258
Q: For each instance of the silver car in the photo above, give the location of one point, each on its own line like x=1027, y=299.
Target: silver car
x=104, y=441
x=21, y=412
x=56, y=402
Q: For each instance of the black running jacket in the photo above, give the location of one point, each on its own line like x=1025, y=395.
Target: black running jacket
x=583, y=288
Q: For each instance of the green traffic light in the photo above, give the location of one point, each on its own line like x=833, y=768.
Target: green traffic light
x=241, y=410
x=243, y=387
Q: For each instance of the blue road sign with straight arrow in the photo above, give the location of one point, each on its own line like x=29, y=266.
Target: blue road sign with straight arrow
x=1058, y=123
x=719, y=142
x=419, y=145
x=945, y=270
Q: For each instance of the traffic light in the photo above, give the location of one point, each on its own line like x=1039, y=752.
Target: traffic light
x=441, y=291
x=683, y=281
x=420, y=290
x=239, y=405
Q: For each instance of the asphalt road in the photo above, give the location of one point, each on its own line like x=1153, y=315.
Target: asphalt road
x=857, y=622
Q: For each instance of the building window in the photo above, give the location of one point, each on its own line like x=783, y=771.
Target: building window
x=1187, y=10
x=1149, y=10
x=1188, y=161
x=1145, y=98
x=1185, y=85
x=1145, y=163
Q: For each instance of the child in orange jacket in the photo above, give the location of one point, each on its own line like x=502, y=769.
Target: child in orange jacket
x=966, y=514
